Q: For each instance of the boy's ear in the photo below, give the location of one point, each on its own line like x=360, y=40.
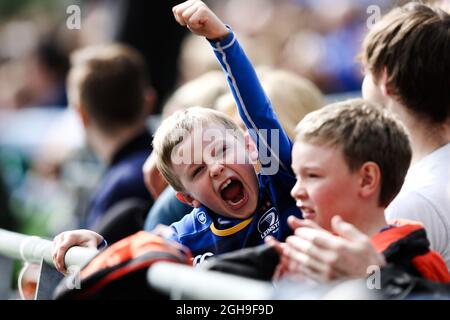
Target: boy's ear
x=83, y=115
x=187, y=199
x=149, y=101
x=250, y=147
x=370, y=179
x=383, y=84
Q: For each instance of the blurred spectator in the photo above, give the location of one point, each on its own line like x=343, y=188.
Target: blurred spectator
x=292, y=98
x=201, y=91
x=45, y=82
x=141, y=21
x=109, y=88
x=33, y=70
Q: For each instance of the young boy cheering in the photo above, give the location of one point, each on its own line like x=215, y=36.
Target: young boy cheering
x=205, y=157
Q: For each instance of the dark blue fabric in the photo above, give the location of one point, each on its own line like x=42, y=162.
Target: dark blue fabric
x=102, y=245
x=166, y=210
x=123, y=179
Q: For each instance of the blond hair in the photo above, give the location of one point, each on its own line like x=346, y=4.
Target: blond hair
x=201, y=91
x=172, y=131
x=291, y=95
x=363, y=132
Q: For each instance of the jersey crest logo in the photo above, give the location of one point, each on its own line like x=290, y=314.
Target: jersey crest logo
x=201, y=258
x=201, y=217
x=268, y=223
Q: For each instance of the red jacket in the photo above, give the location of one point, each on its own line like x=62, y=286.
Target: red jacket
x=406, y=245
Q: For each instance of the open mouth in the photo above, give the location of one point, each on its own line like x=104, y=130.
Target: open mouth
x=308, y=213
x=233, y=193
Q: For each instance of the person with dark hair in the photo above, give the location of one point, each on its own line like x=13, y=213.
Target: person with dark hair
x=55, y=60
x=109, y=88
x=44, y=85
x=406, y=56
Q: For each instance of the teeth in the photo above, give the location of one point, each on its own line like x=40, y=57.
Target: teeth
x=226, y=184
x=235, y=203
x=305, y=209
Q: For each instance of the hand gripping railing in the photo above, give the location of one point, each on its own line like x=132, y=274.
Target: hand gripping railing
x=32, y=249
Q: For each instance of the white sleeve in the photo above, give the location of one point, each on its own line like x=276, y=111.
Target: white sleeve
x=414, y=206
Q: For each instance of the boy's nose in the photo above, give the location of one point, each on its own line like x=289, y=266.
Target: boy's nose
x=298, y=192
x=216, y=169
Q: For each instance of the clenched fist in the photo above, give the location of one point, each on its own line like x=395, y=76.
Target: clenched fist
x=198, y=18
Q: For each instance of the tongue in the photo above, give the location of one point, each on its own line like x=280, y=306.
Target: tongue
x=233, y=192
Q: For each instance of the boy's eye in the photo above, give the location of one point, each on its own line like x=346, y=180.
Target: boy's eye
x=309, y=175
x=224, y=148
x=197, y=170
x=219, y=154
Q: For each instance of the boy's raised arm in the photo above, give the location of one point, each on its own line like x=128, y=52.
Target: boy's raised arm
x=254, y=107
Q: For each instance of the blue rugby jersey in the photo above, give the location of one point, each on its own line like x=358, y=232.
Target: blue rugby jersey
x=206, y=233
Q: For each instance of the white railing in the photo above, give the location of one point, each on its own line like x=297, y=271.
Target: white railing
x=176, y=280
x=185, y=282
x=35, y=250
x=179, y=281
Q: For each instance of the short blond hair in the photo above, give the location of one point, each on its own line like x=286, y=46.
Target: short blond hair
x=363, y=132
x=170, y=133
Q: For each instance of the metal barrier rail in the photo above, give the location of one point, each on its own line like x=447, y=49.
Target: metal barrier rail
x=179, y=281
x=185, y=282
x=32, y=249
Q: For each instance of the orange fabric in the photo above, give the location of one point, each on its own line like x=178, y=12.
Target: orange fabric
x=121, y=272
x=131, y=247
x=432, y=267
x=382, y=240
